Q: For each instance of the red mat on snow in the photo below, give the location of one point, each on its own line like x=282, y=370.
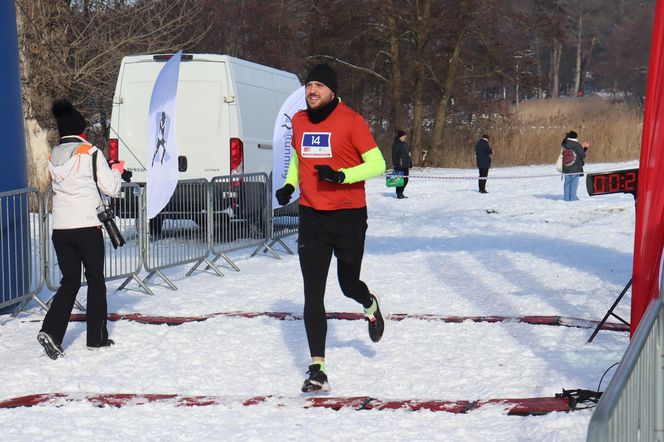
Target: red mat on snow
x=520, y=407
x=535, y=320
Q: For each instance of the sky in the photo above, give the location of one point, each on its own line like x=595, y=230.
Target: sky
x=446, y=250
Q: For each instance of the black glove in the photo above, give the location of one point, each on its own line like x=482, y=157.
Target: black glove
x=326, y=173
x=126, y=176
x=284, y=194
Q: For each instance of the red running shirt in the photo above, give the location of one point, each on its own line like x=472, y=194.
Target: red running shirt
x=339, y=141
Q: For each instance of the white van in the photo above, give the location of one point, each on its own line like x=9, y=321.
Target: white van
x=225, y=113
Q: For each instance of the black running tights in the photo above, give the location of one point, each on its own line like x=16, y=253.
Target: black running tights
x=322, y=233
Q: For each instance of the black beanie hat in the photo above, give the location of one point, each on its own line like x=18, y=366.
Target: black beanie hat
x=69, y=120
x=572, y=134
x=324, y=74
x=400, y=133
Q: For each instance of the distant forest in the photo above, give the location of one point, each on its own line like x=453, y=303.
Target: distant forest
x=424, y=66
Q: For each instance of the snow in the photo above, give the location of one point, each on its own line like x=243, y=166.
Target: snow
x=446, y=250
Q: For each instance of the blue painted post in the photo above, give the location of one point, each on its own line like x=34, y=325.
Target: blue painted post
x=14, y=247
x=14, y=174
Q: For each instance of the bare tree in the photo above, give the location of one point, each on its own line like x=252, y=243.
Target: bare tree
x=33, y=20
x=270, y=33
x=579, y=48
x=74, y=49
x=623, y=58
x=554, y=67
x=440, y=63
x=394, y=37
x=421, y=36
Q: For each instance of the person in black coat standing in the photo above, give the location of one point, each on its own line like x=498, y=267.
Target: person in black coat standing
x=483, y=154
x=401, y=160
x=574, y=155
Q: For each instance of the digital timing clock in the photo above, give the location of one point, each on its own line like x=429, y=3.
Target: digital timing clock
x=619, y=181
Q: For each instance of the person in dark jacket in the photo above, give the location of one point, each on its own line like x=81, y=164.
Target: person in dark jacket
x=483, y=154
x=573, y=161
x=401, y=160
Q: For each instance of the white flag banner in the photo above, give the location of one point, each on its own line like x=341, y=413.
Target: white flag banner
x=162, y=161
x=282, y=148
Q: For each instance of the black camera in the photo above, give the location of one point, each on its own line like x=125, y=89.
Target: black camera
x=106, y=216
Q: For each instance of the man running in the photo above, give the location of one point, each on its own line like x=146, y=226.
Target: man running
x=335, y=154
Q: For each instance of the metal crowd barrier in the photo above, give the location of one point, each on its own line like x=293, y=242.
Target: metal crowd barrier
x=21, y=257
x=121, y=263
x=240, y=215
x=202, y=219
x=283, y=223
x=127, y=261
x=180, y=233
x=632, y=407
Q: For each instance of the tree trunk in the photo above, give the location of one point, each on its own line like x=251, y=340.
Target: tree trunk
x=444, y=101
x=538, y=64
x=577, y=71
x=554, y=68
x=36, y=139
x=418, y=112
x=396, y=84
x=421, y=37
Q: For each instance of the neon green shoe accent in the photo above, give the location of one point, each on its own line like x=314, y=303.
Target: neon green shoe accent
x=321, y=364
x=371, y=310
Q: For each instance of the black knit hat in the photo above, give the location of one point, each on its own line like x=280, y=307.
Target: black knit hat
x=70, y=121
x=324, y=74
x=400, y=133
x=572, y=134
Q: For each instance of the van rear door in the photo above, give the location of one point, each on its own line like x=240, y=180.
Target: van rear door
x=202, y=115
x=260, y=91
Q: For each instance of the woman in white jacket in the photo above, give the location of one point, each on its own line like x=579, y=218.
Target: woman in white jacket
x=77, y=235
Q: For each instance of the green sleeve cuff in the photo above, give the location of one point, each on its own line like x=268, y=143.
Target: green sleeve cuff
x=293, y=175
x=373, y=165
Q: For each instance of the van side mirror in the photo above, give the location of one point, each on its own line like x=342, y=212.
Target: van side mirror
x=182, y=163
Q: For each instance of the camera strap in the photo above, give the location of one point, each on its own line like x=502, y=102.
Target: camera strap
x=111, y=228
x=94, y=177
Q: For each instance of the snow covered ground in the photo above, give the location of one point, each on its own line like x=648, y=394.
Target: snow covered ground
x=446, y=250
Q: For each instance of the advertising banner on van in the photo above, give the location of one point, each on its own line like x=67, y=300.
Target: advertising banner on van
x=282, y=149
x=162, y=161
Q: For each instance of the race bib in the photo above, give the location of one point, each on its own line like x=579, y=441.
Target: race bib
x=316, y=145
